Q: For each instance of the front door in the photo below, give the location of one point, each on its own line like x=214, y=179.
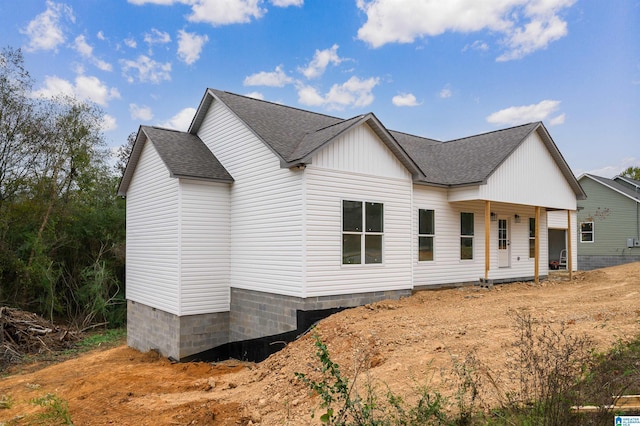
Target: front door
x=503, y=243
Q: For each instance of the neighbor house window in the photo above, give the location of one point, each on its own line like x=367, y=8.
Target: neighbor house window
x=426, y=232
x=362, y=230
x=586, y=232
x=466, y=236
x=532, y=237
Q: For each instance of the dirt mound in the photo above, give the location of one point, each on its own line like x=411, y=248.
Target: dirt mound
x=404, y=343
x=24, y=333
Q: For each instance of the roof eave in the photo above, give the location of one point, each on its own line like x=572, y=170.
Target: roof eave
x=132, y=162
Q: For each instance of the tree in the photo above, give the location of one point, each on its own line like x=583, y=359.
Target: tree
x=632, y=172
x=61, y=224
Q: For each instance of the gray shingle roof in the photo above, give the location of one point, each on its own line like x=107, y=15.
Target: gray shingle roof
x=617, y=186
x=185, y=155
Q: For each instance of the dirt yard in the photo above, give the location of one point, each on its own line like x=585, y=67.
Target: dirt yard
x=407, y=342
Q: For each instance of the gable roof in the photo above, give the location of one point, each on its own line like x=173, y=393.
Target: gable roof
x=614, y=185
x=294, y=135
x=184, y=155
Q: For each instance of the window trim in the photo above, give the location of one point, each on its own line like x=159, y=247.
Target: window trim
x=363, y=233
x=468, y=236
x=532, y=220
x=424, y=235
x=592, y=232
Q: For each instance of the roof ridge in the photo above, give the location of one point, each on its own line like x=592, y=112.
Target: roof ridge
x=276, y=104
x=414, y=136
x=494, y=131
x=342, y=121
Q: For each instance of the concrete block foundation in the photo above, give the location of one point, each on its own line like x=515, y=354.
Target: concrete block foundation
x=587, y=263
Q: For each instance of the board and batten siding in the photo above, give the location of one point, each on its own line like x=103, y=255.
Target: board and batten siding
x=528, y=176
x=152, y=267
x=359, y=167
x=266, y=207
x=205, y=240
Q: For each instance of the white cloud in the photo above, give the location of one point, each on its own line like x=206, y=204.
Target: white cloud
x=445, y=92
x=190, y=45
x=352, y=93
x=225, y=12
x=287, y=3
x=477, y=45
x=85, y=88
x=557, y=120
x=156, y=37
x=255, y=95
x=46, y=31
x=405, y=99
x=526, y=26
x=82, y=47
x=142, y=113
x=130, y=42
x=147, y=69
x=524, y=114
x=611, y=170
x=101, y=36
x=320, y=61
x=276, y=78
x=181, y=121
x=108, y=123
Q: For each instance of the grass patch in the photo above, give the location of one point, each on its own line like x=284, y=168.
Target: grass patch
x=107, y=338
x=56, y=411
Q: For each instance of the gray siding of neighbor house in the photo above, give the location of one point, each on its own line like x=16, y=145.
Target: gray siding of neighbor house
x=614, y=220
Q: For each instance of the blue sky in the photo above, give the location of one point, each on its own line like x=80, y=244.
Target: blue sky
x=442, y=69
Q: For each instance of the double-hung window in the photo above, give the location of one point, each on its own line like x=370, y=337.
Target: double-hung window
x=532, y=237
x=466, y=236
x=586, y=232
x=362, y=231
x=426, y=233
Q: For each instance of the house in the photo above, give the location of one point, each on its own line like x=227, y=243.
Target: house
x=261, y=211
x=609, y=221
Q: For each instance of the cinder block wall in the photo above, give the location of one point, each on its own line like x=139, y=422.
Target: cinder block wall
x=587, y=263
x=257, y=314
x=173, y=336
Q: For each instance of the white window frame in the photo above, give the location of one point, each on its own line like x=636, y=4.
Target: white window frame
x=363, y=233
x=592, y=232
x=432, y=236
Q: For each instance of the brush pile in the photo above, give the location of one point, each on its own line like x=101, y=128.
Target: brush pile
x=24, y=333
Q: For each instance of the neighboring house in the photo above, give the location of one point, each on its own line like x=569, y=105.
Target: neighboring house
x=262, y=211
x=609, y=222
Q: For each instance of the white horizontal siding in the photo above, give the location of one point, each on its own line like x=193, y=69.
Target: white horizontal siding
x=266, y=207
x=152, y=234
x=447, y=267
x=205, y=242
x=360, y=151
x=339, y=173
x=529, y=176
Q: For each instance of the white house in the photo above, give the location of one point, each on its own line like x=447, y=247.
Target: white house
x=261, y=211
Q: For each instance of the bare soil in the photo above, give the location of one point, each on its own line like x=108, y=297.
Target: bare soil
x=400, y=343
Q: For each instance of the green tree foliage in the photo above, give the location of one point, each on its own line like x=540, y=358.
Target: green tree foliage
x=632, y=172
x=61, y=225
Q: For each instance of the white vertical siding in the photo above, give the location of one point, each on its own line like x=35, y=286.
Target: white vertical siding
x=360, y=151
x=152, y=234
x=204, y=247
x=266, y=207
x=356, y=167
x=447, y=266
x=530, y=176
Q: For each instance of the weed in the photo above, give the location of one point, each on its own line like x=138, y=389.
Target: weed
x=5, y=402
x=56, y=410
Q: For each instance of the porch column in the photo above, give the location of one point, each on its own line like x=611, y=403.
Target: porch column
x=487, y=238
x=536, y=269
x=569, y=246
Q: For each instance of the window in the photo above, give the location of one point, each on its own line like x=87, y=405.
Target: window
x=362, y=230
x=532, y=237
x=426, y=231
x=466, y=236
x=586, y=232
